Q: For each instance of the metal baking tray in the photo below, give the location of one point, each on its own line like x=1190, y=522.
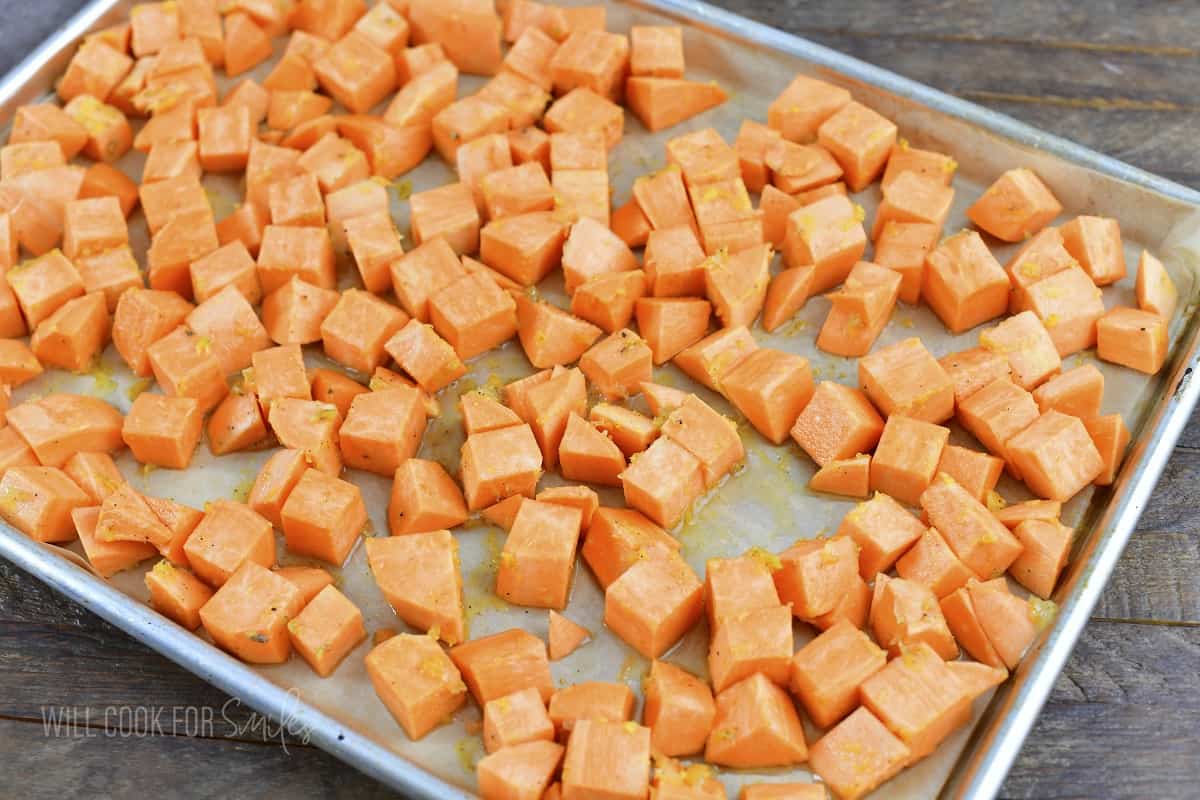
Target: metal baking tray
x=766, y=504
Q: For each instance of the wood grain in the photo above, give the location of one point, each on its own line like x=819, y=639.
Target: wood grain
x=1121, y=721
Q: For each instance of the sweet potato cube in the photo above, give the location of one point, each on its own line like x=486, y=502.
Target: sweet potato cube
x=1010, y=623
x=424, y=355
x=618, y=538
x=838, y=422
x=755, y=642
x=230, y=535
x=653, y=603
x=1025, y=342
x=1095, y=243
x=664, y=102
x=538, y=560
x=515, y=719
x=827, y=235
x=800, y=109
x=419, y=575
x=310, y=426
x=1055, y=455
x=482, y=413
x=609, y=300
x=903, y=247
x=245, y=225
x=926, y=163
x=39, y=501
x=592, y=250
x=237, y=423
x=503, y=663
x=679, y=709
x=230, y=265
x=858, y=755
x=756, y=726
x=913, y=198
x=1111, y=438
x=1047, y=544
x=246, y=44
x=607, y=759
x=736, y=285
x=771, y=388
x=92, y=226
x=1132, y=338
x=422, y=273
x=564, y=636
x=357, y=71
x=227, y=326
x=322, y=517
x=297, y=202
x=95, y=69
x=596, y=701
x=95, y=473
x=18, y=364
x=963, y=283
x=424, y=498
x=1069, y=306
x=905, y=379
x=305, y=252
x=176, y=593
x=44, y=284
x=787, y=293
x=631, y=431
x=336, y=163
x=59, y=425
x=930, y=562
x=500, y=463
x=827, y=672
x=1017, y=205
x=1040, y=257
x=997, y=412
x=224, y=136
x=417, y=682
x=549, y=406
x=524, y=248
x=358, y=328
x=581, y=110
x=860, y=139
x=815, y=573
x=861, y=309
x=973, y=369
x=883, y=530
x=671, y=324
x=1013, y=515
x=980, y=541
x=595, y=60
x=796, y=168
x=294, y=312
x=331, y=386
x=907, y=457
x=278, y=372
x=325, y=631
x=587, y=454
x=656, y=50
x=74, y=335
x=14, y=452
x=383, y=429
x=617, y=364
x=709, y=360
x=46, y=122
x=707, y=435
x=918, y=698
x=162, y=430
x=663, y=199
x=976, y=472
x=674, y=262
x=905, y=613
x=248, y=615
x=1156, y=291
x=1078, y=392
x=736, y=586
x=550, y=336
x=519, y=772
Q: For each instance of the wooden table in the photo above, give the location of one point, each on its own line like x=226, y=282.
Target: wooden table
x=1124, y=718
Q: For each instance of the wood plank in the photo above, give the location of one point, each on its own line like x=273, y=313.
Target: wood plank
x=166, y=766
x=1157, y=27
x=1121, y=722
x=1155, y=580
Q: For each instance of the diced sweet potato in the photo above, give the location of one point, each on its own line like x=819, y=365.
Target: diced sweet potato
x=669, y=325
x=917, y=698
x=417, y=682
x=39, y=501
x=177, y=593
x=248, y=615
x=973, y=369
x=861, y=140
x=1055, y=456
x=907, y=457
x=827, y=672
x=1078, y=392
x=858, y=755
x=1132, y=338
x=59, y=425
x=861, y=309
x=756, y=726
x=322, y=517
x=1111, y=438
x=996, y=413
x=963, y=283
x=679, y=709
x=1010, y=623
x=537, y=563
x=1095, y=242
x=325, y=631
x=754, y=642
x=976, y=472
x=1017, y=205
x=1046, y=547
x=815, y=573
x=975, y=536
x=1156, y=291
x=230, y=535
x=163, y=430
x=654, y=603
x=564, y=636
x=1025, y=342
x=905, y=613
x=499, y=463
x=800, y=109
x=420, y=577
x=827, y=235
x=515, y=719
x=838, y=422
x=424, y=498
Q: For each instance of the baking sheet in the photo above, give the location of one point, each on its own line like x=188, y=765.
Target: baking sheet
x=765, y=504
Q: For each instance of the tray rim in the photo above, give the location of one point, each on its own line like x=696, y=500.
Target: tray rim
x=994, y=746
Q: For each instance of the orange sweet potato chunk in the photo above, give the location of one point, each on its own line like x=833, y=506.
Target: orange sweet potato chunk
x=861, y=309
x=827, y=235
x=1111, y=438
x=858, y=755
x=917, y=698
x=883, y=530
x=976, y=537
x=39, y=501
x=1156, y=291
x=505, y=662
x=905, y=613
x=1017, y=205
x=519, y=772
x=654, y=603
x=383, y=429
x=1095, y=242
x=907, y=457
x=538, y=559
x=973, y=369
x=424, y=498
x=1055, y=455
x=756, y=727
x=597, y=701
x=861, y=140
x=418, y=683
x=585, y=453
x=327, y=628
x=177, y=594
x=754, y=642
x=248, y=615
x=827, y=672
x=499, y=463
x=1078, y=392
x=1133, y=338
x=607, y=759
x=1047, y=544
x=963, y=283
x=800, y=109
x=976, y=472
x=564, y=636
x=515, y=719
x=679, y=709
x=838, y=422
x=420, y=577
x=230, y=535
x=163, y=430
x=108, y=558
x=59, y=425
x=322, y=517
x=814, y=574
x=1028, y=346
